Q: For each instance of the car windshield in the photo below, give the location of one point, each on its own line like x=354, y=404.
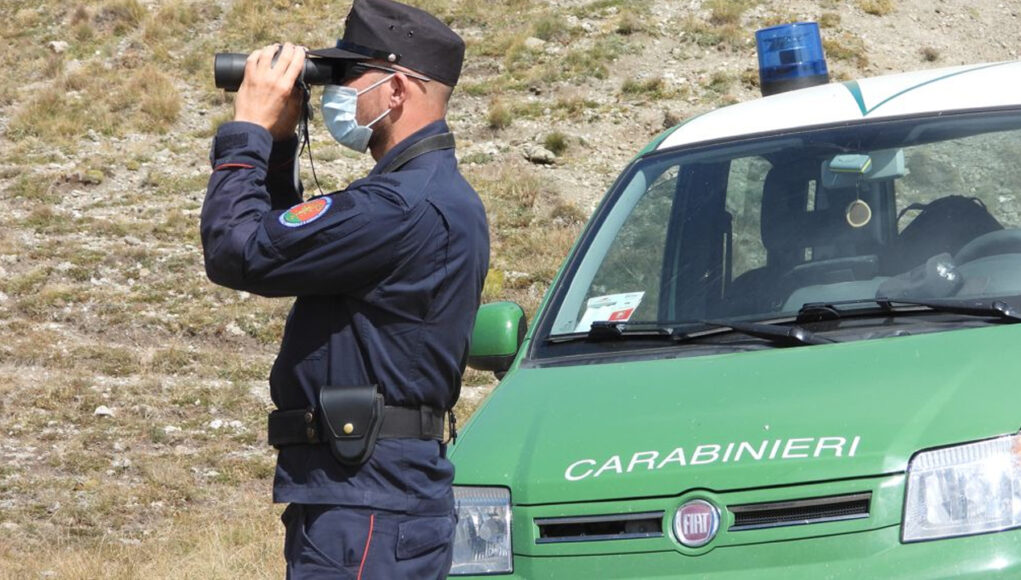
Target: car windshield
x=922, y=208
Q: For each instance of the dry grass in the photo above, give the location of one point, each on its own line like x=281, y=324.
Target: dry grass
x=103, y=296
x=877, y=7
x=556, y=142
x=729, y=36
x=104, y=300
x=653, y=88
x=239, y=537
x=846, y=47
x=629, y=23
x=500, y=115
x=829, y=20
x=532, y=229
x=719, y=82
x=726, y=12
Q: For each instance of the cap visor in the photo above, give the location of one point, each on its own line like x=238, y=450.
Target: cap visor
x=338, y=53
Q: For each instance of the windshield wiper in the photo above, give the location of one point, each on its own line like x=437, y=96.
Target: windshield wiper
x=786, y=334
x=790, y=334
x=816, y=311
x=603, y=330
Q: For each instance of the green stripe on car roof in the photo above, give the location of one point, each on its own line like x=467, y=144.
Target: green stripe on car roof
x=855, y=89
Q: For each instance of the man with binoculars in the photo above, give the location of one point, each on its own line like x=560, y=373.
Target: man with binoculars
x=387, y=275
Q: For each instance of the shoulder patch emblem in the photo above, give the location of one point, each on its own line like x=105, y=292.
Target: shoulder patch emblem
x=305, y=213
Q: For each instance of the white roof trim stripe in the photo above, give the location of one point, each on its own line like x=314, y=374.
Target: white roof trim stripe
x=966, y=87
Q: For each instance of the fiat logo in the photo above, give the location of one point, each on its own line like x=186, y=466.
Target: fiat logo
x=696, y=523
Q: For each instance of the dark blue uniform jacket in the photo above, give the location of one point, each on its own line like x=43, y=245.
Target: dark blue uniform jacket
x=392, y=267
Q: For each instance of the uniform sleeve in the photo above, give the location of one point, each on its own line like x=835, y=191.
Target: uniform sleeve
x=333, y=244
x=240, y=146
x=282, y=174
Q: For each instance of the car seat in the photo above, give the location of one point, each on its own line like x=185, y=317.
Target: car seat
x=810, y=246
x=943, y=226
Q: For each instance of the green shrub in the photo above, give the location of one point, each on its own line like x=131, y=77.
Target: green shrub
x=877, y=7
x=499, y=116
x=726, y=12
x=653, y=88
x=551, y=27
x=556, y=142
x=846, y=47
x=829, y=20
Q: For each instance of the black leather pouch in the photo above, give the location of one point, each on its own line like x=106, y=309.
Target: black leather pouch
x=351, y=417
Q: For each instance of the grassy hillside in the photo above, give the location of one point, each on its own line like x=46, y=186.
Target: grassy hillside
x=132, y=391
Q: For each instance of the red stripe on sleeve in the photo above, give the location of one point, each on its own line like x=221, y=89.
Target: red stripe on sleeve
x=233, y=166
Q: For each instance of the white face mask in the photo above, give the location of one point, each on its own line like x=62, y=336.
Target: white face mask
x=339, y=107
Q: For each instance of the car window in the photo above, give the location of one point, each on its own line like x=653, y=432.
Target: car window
x=744, y=203
x=982, y=166
x=755, y=228
x=634, y=263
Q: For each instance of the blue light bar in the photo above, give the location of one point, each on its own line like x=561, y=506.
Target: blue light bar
x=790, y=57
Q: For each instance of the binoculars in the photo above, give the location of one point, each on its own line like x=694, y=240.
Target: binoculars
x=229, y=71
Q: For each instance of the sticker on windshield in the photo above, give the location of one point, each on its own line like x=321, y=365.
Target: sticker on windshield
x=612, y=307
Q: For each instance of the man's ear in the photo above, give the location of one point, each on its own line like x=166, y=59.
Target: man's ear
x=399, y=93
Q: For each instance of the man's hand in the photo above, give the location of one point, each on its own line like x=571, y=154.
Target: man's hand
x=268, y=96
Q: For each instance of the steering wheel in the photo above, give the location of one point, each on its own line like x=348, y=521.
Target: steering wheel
x=998, y=242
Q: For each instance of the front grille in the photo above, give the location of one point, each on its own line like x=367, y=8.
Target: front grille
x=795, y=513
x=593, y=528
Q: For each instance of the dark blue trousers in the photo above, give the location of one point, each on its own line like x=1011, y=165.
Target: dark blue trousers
x=324, y=541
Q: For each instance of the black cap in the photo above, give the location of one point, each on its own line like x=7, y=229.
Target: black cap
x=399, y=34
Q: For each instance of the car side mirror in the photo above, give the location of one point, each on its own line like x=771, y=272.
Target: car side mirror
x=499, y=331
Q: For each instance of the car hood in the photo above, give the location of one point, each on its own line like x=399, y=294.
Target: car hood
x=737, y=421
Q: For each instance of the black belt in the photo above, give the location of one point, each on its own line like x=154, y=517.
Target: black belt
x=301, y=426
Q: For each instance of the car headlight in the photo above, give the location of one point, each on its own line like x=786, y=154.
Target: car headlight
x=965, y=489
x=482, y=541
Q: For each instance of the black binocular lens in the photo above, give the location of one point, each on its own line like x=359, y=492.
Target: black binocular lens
x=229, y=71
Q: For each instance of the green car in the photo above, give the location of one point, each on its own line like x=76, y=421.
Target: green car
x=784, y=346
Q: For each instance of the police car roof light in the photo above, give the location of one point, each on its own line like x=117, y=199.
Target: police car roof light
x=790, y=57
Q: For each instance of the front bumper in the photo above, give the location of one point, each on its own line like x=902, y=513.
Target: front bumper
x=863, y=547
x=872, y=554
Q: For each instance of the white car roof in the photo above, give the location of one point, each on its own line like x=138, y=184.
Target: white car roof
x=965, y=87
